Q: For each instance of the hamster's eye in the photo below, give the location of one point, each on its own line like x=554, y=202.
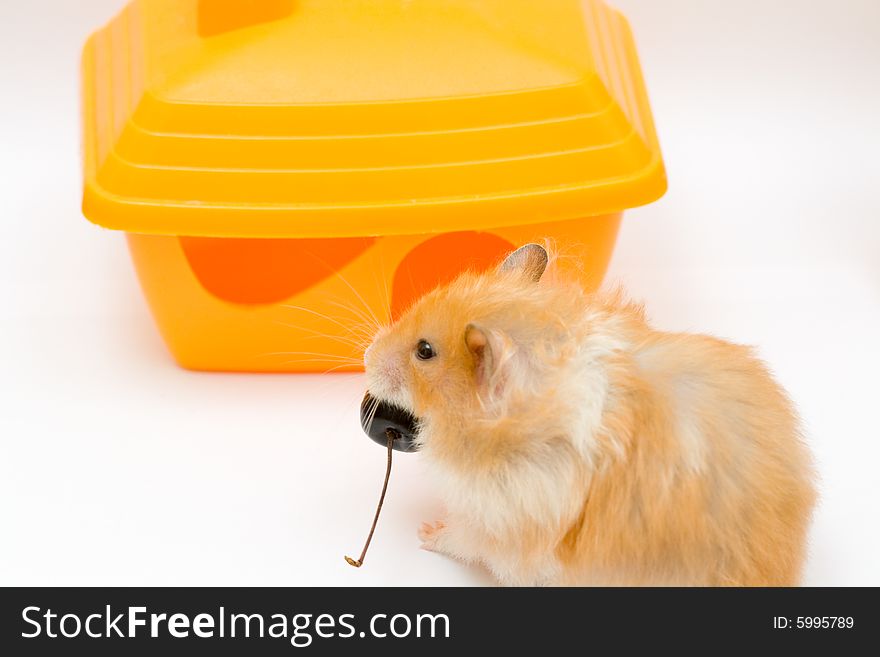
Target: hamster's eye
x=424, y=350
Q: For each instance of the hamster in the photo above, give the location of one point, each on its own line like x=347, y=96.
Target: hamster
x=573, y=444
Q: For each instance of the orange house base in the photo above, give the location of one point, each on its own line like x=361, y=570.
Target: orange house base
x=311, y=305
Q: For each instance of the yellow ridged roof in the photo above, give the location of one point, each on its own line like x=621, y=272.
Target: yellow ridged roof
x=308, y=118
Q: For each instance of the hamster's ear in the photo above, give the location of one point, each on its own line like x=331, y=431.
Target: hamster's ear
x=530, y=260
x=491, y=351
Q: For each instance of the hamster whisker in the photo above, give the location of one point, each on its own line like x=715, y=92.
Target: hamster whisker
x=315, y=356
x=371, y=410
x=356, y=312
x=322, y=315
x=335, y=272
x=359, y=298
x=317, y=360
x=345, y=397
x=342, y=278
x=357, y=343
x=367, y=320
x=372, y=415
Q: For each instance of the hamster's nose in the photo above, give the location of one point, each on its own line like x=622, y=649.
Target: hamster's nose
x=388, y=417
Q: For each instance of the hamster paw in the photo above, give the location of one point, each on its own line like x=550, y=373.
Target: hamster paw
x=430, y=533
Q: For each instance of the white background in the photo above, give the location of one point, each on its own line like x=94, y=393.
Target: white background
x=116, y=467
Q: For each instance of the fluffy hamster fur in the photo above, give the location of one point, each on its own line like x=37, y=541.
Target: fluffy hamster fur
x=574, y=444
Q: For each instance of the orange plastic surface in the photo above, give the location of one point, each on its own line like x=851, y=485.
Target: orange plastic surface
x=319, y=328
x=361, y=118
x=288, y=170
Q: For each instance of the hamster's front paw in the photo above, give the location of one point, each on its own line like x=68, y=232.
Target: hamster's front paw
x=430, y=535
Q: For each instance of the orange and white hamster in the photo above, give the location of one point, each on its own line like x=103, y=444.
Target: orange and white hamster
x=573, y=444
